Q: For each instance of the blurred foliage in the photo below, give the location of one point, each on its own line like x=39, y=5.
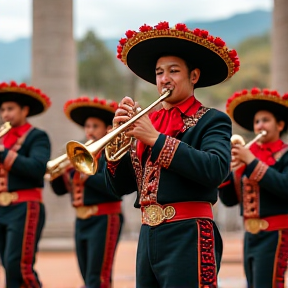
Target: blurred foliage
x=98, y=73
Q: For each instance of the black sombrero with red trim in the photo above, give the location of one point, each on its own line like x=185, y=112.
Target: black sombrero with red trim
x=243, y=105
x=141, y=50
x=80, y=109
x=25, y=95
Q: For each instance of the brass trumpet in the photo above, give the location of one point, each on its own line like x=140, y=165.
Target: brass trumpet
x=57, y=166
x=238, y=139
x=4, y=128
x=82, y=157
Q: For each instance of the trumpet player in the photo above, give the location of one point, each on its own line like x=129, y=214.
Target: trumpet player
x=259, y=184
x=24, y=152
x=182, y=154
x=98, y=214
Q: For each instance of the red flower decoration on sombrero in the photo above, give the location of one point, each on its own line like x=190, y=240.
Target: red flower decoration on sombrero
x=27, y=95
x=79, y=109
x=139, y=51
x=243, y=105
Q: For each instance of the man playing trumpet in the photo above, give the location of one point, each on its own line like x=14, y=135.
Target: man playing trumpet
x=24, y=152
x=99, y=218
x=182, y=154
x=259, y=183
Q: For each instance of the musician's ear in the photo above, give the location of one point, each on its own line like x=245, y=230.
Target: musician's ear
x=194, y=76
x=280, y=125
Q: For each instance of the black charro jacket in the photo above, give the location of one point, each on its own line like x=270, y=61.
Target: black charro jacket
x=93, y=188
x=271, y=188
x=27, y=166
x=198, y=162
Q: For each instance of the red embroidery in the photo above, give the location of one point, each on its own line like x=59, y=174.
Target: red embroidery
x=207, y=265
x=78, y=189
x=259, y=171
x=281, y=257
x=3, y=179
x=168, y=151
x=28, y=247
x=113, y=227
x=251, y=195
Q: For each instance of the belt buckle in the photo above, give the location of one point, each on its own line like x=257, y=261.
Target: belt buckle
x=85, y=212
x=255, y=225
x=6, y=198
x=154, y=214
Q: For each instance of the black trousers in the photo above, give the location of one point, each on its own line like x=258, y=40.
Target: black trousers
x=265, y=258
x=20, y=229
x=182, y=254
x=96, y=240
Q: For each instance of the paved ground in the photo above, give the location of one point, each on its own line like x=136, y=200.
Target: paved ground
x=60, y=270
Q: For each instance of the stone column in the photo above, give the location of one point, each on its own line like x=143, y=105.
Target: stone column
x=280, y=46
x=54, y=71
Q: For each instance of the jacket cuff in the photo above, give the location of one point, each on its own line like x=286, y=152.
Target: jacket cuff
x=166, y=153
x=256, y=170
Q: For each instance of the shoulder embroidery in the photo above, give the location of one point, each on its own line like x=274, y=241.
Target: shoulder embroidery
x=190, y=121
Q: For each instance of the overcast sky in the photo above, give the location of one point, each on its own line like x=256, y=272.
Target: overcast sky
x=111, y=18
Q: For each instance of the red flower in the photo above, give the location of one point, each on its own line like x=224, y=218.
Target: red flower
x=255, y=91
x=114, y=105
x=236, y=62
x=145, y=28
x=95, y=100
x=196, y=32
x=102, y=102
x=236, y=69
x=266, y=91
x=219, y=42
x=130, y=34
x=162, y=25
x=285, y=96
x=13, y=84
x=232, y=54
x=119, y=56
x=119, y=49
x=23, y=85
x=204, y=33
x=244, y=92
x=210, y=38
x=123, y=41
x=275, y=93
x=181, y=27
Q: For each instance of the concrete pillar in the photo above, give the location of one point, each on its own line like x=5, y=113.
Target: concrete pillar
x=54, y=71
x=280, y=46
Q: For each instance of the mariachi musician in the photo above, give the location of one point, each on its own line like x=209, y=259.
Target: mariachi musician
x=25, y=151
x=99, y=218
x=259, y=181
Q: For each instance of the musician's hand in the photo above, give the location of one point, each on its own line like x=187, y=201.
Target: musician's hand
x=241, y=154
x=124, y=111
x=144, y=131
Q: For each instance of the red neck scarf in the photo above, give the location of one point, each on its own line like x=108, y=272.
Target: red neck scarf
x=170, y=122
x=265, y=152
x=14, y=134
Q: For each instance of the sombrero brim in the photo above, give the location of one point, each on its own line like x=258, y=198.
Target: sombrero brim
x=35, y=106
x=142, y=58
x=80, y=114
x=244, y=112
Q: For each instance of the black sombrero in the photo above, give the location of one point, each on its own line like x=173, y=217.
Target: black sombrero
x=242, y=106
x=80, y=109
x=141, y=50
x=37, y=101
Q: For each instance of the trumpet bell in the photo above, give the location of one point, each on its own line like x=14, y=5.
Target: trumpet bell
x=81, y=158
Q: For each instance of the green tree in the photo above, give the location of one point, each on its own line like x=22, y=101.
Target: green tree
x=98, y=72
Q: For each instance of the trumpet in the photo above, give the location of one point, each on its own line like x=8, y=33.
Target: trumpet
x=82, y=157
x=4, y=128
x=238, y=139
x=57, y=166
